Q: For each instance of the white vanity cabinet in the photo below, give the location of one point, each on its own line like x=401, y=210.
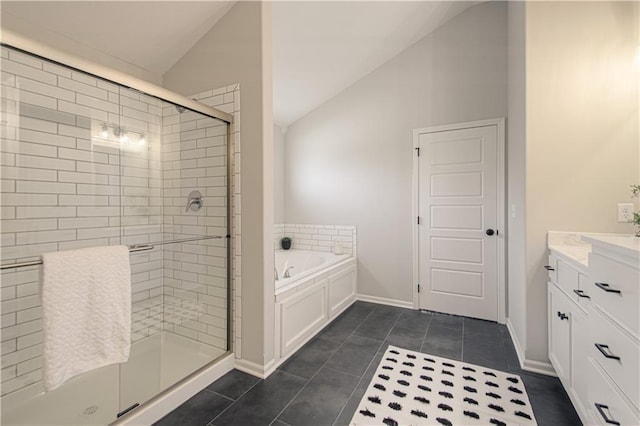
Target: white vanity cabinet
x=593, y=303
x=568, y=306
x=614, y=381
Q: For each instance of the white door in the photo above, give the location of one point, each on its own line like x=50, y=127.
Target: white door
x=458, y=221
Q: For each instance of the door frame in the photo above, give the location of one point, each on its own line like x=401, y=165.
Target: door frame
x=501, y=207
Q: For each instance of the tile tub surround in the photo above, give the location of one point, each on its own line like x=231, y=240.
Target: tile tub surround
x=62, y=189
x=317, y=237
x=324, y=381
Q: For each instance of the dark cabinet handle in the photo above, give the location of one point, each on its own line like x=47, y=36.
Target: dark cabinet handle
x=607, y=353
x=562, y=315
x=580, y=293
x=490, y=232
x=549, y=268
x=605, y=287
x=601, y=408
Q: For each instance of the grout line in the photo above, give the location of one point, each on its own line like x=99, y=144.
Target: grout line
x=291, y=374
x=426, y=331
x=240, y=397
x=278, y=420
x=324, y=364
x=219, y=394
x=462, y=343
x=366, y=369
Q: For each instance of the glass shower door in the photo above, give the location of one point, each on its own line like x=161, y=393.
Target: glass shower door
x=87, y=163
x=60, y=191
x=174, y=198
x=136, y=127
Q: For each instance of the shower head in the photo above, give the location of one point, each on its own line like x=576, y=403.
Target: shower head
x=180, y=109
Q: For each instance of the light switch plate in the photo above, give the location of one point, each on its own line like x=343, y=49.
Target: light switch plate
x=625, y=212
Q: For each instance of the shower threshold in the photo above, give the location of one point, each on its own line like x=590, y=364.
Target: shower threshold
x=95, y=398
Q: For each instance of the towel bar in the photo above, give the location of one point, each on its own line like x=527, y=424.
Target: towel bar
x=132, y=249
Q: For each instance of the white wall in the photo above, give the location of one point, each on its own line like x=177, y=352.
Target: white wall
x=516, y=162
x=236, y=50
x=582, y=132
x=278, y=174
x=349, y=161
x=75, y=48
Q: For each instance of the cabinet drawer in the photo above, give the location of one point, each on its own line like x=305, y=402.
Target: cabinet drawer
x=552, y=267
x=567, y=279
x=615, y=290
x=605, y=403
x=584, y=291
x=618, y=355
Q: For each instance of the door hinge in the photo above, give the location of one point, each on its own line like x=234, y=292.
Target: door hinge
x=418, y=220
x=418, y=288
x=418, y=151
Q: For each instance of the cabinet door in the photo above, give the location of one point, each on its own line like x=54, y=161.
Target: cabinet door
x=560, y=334
x=580, y=346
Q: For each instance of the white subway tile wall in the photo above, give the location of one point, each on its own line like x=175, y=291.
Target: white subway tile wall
x=278, y=234
x=195, y=276
x=66, y=186
x=317, y=237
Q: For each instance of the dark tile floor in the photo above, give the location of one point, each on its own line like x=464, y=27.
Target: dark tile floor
x=323, y=382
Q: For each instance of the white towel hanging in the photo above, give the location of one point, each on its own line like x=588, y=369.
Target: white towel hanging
x=86, y=311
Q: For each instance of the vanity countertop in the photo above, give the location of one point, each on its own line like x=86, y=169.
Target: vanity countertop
x=570, y=246
x=574, y=247
x=627, y=246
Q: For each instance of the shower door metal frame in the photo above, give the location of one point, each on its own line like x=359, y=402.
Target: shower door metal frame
x=31, y=47
x=17, y=42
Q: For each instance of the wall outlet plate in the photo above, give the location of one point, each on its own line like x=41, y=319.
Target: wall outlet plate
x=625, y=212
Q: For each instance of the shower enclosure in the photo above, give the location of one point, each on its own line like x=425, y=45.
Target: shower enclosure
x=88, y=162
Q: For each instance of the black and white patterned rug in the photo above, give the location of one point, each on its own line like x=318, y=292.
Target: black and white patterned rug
x=412, y=388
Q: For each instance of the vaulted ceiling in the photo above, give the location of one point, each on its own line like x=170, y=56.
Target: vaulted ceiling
x=319, y=47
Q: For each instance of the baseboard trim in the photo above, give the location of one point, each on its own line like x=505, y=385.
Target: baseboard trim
x=527, y=364
x=515, y=341
x=385, y=301
x=539, y=367
x=261, y=371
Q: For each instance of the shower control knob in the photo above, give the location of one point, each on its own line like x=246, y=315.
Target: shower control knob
x=490, y=232
x=194, y=201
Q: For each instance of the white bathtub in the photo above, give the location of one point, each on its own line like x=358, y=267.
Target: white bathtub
x=302, y=264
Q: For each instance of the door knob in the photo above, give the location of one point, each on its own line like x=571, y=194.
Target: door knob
x=491, y=232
